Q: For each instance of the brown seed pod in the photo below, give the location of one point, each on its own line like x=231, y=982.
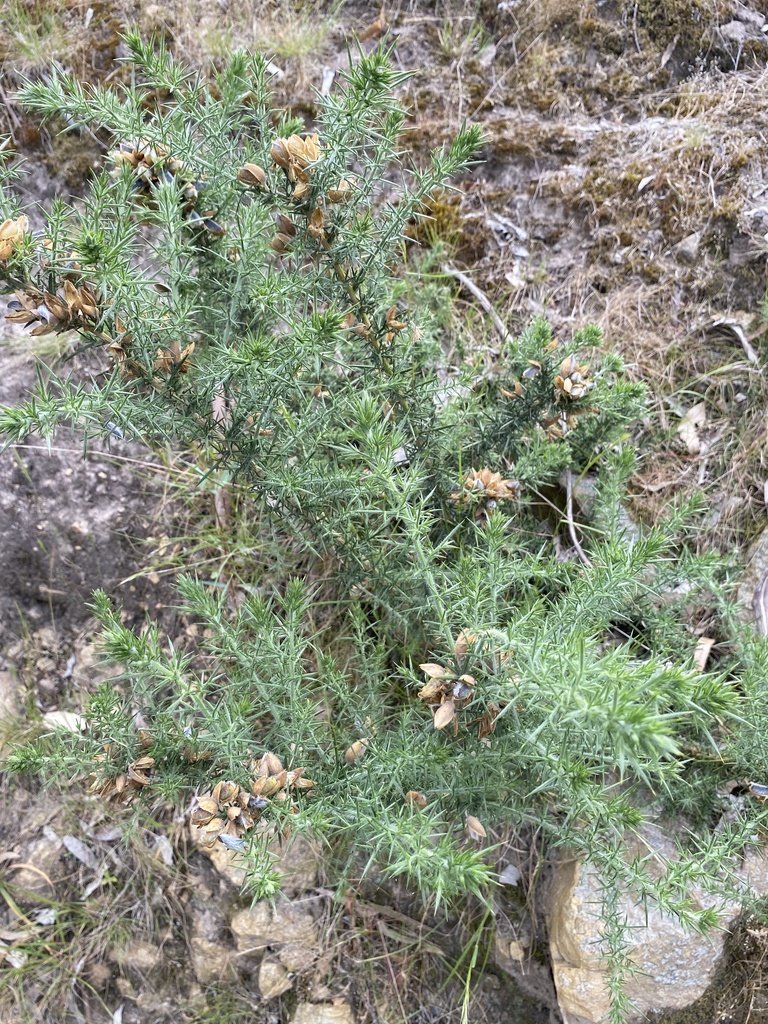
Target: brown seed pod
x=474, y=829
x=252, y=175
x=416, y=799
x=355, y=752
x=445, y=714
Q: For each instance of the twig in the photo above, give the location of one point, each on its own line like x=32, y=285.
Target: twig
x=569, y=517
x=482, y=298
x=388, y=960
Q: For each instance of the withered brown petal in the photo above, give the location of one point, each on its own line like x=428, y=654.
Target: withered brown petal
x=474, y=828
x=445, y=714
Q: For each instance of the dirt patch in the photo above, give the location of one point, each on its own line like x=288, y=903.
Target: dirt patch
x=69, y=525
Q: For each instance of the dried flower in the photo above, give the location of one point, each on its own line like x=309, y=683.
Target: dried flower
x=416, y=799
x=573, y=380
x=295, y=156
x=68, y=309
x=230, y=810
x=11, y=234
x=450, y=690
x=343, y=191
x=486, y=485
x=172, y=358
x=252, y=175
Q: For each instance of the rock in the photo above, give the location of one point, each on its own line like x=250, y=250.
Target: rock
x=211, y=962
x=296, y=862
x=752, y=19
x=10, y=696
x=752, y=594
x=90, y=668
x=337, y=1012
x=688, y=249
x=675, y=966
x=262, y=925
x=70, y=721
x=137, y=955
x=40, y=869
x=296, y=958
x=735, y=32
x=273, y=979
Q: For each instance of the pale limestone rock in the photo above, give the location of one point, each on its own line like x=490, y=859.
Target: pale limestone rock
x=296, y=863
x=676, y=966
x=261, y=926
x=40, y=869
x=752, y=594
x=211, y=962
x=273, y=979
x=91, y=669
x=337, y=1012
x=138, y=955
x=296, y=958
x=10, y=696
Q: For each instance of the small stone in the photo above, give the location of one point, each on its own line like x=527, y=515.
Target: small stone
x=43, y=856
x=90, y=669
x=10, y=695
x=688, y=249
x=675, y=966
x=734, y=32
x=261, y=926
x=138, y=955
x=296, y=958
x=273, y=979
x=296, y=863
x=337, y=1012
x=211, y=962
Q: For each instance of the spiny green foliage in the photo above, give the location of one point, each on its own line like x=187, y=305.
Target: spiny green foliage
x=561, y=695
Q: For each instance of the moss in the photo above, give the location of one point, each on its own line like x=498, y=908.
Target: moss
x=690, y=20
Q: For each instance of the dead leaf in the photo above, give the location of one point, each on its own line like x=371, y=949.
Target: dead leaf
x=164, y=850
x=701, y=654
x=510, y=875
x=689, y=426
x=760, y=604
x=667, y=55
x=375, y=29
x=79, y=850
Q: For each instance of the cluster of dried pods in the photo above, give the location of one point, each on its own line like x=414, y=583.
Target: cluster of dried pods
x=230, y=810
x=70, y=308
x=448, y=692
x=571, y=383
x=152, y=165
x=483, y=489
x=123, y=787
x=296, y=157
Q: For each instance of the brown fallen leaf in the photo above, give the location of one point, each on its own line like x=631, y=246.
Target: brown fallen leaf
x=701, y=654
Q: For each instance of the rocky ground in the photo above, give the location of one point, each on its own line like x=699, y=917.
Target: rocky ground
x=624, y=182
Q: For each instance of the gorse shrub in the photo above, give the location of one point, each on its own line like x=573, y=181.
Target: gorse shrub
x=447, y=655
